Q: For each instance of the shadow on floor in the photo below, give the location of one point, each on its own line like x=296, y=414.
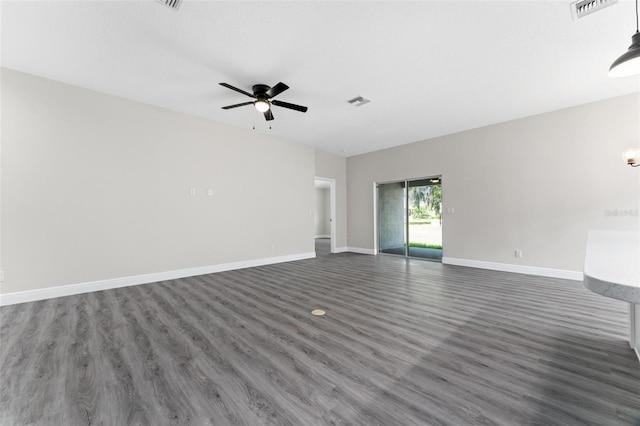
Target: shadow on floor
x=517, y=375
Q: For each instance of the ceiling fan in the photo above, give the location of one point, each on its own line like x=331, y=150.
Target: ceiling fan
x=262, y=95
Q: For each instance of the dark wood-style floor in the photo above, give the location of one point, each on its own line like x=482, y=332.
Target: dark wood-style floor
x=404, y=342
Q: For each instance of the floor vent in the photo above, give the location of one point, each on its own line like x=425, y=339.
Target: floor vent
x=173, y=4
x=582, y=8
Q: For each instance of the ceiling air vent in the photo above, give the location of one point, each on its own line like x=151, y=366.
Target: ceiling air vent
x=582, y=8
x=173, y=4
x=358, y=101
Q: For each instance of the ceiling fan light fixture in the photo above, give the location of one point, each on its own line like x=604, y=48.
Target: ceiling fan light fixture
x=261, y=105
x=629, y=62
x=262, y=93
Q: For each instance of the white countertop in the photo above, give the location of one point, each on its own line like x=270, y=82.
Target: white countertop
x=612, y=264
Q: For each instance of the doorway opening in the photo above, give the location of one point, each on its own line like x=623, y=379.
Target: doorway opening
x=410, y=218
x=325, y=227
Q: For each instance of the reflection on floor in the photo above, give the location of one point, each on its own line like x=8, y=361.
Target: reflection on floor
x=423, y=253
x=323, y=246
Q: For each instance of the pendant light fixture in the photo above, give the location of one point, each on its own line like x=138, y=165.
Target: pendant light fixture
x=629, y=63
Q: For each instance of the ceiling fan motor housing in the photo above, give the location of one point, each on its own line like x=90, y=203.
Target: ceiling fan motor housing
x=260, y=91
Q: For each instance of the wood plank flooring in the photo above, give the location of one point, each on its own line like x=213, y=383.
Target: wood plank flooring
x=404, y=342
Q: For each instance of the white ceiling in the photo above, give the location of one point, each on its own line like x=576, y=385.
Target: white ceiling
x=429, y=68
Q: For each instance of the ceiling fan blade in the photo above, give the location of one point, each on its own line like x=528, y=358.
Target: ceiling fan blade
x=290, y=106
x=268, y=115
x=277, y=89
x=228, y=86
x=237, y=105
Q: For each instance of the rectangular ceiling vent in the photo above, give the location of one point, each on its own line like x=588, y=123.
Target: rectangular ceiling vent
x=173, y=4
x=582, y=8
x=358, y=101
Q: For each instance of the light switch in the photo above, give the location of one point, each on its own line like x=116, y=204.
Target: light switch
x=210, y=192
x=192, y=191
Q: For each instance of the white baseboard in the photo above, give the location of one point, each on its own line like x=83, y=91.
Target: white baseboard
x=519, y=269
x=323, y=236
x=504, y=267
x=361, y=250
x=69, y=290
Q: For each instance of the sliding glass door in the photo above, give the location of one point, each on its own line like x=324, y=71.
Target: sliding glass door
x=410, y=218
x=425, y=218
x=392, y=216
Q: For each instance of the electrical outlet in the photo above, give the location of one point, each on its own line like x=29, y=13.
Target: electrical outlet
x=210, y=192
x=518, y=253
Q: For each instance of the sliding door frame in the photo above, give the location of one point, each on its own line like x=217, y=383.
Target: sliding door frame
x=376, y=221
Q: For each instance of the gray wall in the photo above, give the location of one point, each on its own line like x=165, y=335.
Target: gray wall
x=323, y=212
x=536, y=184
x=97, y=187
x=335, y=167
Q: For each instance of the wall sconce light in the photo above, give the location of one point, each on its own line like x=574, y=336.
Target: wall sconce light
x=632, y=156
